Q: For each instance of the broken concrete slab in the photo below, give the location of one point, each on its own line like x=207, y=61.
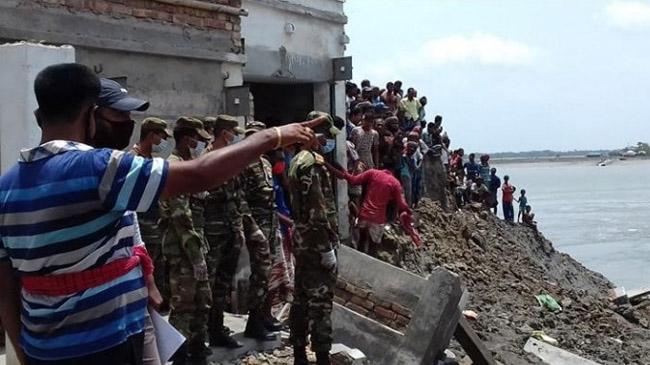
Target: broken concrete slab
x=343, y=355
x=554, y=355
x=376, y=304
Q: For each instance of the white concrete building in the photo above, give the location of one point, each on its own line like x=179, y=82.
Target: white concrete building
x=290, y=47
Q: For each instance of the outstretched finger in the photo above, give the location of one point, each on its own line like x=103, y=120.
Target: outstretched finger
x=314, y=122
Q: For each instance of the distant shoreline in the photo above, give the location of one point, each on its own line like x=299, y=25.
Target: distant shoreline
x=555, y=159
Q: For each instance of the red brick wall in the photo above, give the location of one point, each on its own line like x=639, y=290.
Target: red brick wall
x=366, y=303
x=149, y=10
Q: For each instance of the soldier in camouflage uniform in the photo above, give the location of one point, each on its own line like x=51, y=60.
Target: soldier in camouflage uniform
x=197, y=200
x=183, y=248
x=229, y=224
x=315, y=243
x=153, y=139
x=224, y=234
x=257, y=179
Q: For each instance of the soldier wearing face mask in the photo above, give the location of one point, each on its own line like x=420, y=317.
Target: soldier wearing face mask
x=184, y=251
x=154, y=136
x=197, y=200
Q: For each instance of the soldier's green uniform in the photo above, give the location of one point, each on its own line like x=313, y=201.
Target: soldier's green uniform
x=225, y=237
x=258, y=187
x=229, y=224
x=257, y=180
x=148, y=221
x=183, y=248
x=315, y=235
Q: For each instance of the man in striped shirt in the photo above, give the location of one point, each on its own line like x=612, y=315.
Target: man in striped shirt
x=71, y=273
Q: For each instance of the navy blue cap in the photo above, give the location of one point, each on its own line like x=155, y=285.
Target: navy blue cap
x=113, y=95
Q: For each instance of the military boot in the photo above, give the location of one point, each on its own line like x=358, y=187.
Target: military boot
x=272, y=325
x=223, y=339
x=255, y=328
x=323, y=358
x=300, y=356
x=198, y=350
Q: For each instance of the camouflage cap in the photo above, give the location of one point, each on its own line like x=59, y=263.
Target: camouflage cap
x=326, y=127
x=224, y=121
x=254, y=126
x=154, y=124
x=192, y=123
x=208, y=123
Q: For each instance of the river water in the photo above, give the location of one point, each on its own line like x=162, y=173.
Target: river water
x=598, y=215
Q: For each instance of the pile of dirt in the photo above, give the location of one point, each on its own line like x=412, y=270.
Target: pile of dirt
x=504, y=266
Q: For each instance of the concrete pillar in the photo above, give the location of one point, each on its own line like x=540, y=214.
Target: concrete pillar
x=342, y=158
x=322, y=96
x=21, y=62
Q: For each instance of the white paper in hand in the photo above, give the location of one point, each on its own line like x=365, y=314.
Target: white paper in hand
x=168, y=339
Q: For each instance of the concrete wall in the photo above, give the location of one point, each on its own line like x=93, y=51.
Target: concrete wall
x=21, y=63
x=319, y=27
x=174, y=86
x=174, y=56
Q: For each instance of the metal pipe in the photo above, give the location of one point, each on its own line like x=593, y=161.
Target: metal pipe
x=206, y=6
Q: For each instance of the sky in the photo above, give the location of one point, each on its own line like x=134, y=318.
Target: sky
x=514, y=75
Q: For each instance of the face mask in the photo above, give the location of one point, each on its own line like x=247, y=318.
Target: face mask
x=329, y=146
x=196, y=152
x=236, y=139
x=161, y=147
x=114, y=135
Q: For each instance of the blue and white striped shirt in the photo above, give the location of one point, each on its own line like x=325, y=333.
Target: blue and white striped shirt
x=65, y=208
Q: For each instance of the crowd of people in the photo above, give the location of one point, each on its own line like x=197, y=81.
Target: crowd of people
x=95, y=232
x=388, y=130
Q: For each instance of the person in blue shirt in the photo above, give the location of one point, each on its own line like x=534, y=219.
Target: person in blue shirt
x=471, y=167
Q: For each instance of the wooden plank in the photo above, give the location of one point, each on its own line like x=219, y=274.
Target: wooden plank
x=472, y=345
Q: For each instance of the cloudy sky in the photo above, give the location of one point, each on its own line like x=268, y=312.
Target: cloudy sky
x=514, y=75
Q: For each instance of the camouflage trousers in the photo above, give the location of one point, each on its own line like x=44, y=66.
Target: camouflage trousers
x=225, y=247
x=225, y=244
x=312, y=306
x=190, y=301
x=260, y=262
x=268, y=223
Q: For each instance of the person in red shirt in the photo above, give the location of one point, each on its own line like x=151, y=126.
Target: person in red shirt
x=508, y=191
x=381, y=188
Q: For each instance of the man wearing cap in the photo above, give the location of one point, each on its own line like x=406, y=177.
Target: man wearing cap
x=184, y=251
x=225, y=232
x=315, y=243
x=197, y=200
x=153, y=139
x=113, y=122
x=260, y=195
x=230, y=224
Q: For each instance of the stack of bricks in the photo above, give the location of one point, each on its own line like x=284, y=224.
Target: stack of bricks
x=363, y=301
x=151, y=10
